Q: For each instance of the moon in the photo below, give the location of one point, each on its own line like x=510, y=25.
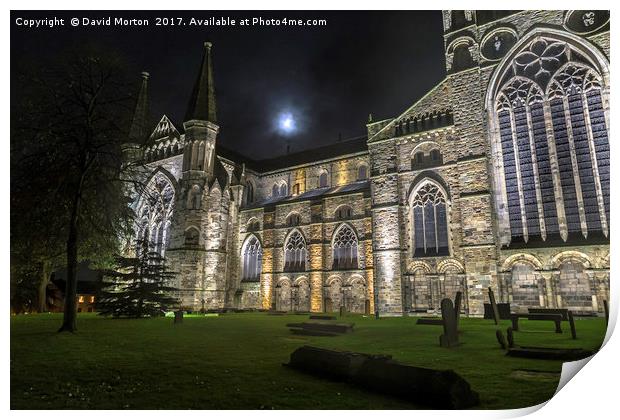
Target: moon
x=286, y=123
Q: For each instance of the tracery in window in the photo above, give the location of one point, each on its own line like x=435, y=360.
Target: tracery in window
x=295, y=252
x=553, y=140
x=252, y=259
x=155, y=208
x=430, y=221
x=344, y=247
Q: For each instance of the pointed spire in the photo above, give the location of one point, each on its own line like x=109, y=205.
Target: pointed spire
x=202, y=102
x=138, y=131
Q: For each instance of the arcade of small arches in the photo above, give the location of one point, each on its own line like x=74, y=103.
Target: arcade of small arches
x=566, y=280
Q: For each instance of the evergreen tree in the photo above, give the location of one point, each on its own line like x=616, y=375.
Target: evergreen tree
x=138, y=287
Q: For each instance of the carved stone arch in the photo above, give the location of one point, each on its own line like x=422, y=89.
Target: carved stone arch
x=426, y=177
x=585, y=77
x=424, y=146
x=343, y=210
x=166, y=173
x=596, y=57
x=521, y=258
x=249, y=236
x=460, y=54
x=420, y=266
x=299, y=280
x=291, y=232
x=566, y=256
x=332, y=279
x=355, y=279
x=450, y=265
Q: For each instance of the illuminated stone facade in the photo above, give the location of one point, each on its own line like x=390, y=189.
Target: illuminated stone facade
x=498, y=177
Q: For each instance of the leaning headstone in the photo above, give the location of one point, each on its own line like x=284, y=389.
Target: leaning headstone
x=606, y=307
x=450, y=336
x=571, y=321
x=178, y=317
x=511, y=337
x=457, y=306
x=501, y=339
x=436, y=388
x=493, y=306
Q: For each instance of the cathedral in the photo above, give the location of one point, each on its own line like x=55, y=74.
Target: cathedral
x=497, y=177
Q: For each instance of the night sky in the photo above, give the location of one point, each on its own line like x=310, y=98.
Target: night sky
x=329, y=78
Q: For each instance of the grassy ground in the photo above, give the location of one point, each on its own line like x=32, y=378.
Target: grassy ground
x=235, y=362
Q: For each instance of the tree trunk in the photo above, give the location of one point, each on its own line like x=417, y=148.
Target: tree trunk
x=42, y=290
x=70, y=314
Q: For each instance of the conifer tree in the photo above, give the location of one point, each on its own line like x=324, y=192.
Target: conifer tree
x=138, y=287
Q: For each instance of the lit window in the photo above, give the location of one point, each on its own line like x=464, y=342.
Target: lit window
x=295, y=253
x=92, y=299
x=81, y=299
x=252, y=255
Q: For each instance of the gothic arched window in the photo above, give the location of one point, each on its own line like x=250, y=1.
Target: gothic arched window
x=249, y=193
x=156, y=207
x=552, y=136
x=344, y=212
x=192, y=236
x=362, y=172
x=344, y=247
x=252, y=258
x=430, y=221
x=295, y=252
x=283, y=190
x=323, y=179
x=293, y=219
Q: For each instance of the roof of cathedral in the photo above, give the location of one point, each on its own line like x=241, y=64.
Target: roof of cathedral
x=346, y=147
x=314, y=194
x=202, y=102
x=138, y=131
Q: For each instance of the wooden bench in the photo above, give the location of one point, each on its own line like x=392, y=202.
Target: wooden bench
x=556, y=318
x=563, y=312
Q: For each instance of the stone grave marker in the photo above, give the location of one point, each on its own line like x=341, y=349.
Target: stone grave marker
x=457, y=307
x=450, y=336
x=511, y=337
x=178, y=317
x=501, y=339
x=493, y=306
x=571, y=321
x=379, y=373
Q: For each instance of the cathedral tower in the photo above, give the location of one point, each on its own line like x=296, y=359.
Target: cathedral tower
x=197, y=250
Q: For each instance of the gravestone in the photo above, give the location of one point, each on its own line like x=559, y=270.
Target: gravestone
x=549, y=353
x=571, y=321
x=457, y=306
x=379, y=373
x=450, y=336
x=606, y=307
x=501, y=339
x=341, y=311
x=320, y=328
x=323, y=317
x=493, y=306
x=511, y=337
x=178, y=317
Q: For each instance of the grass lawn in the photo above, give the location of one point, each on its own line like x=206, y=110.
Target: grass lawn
x=235, y=361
